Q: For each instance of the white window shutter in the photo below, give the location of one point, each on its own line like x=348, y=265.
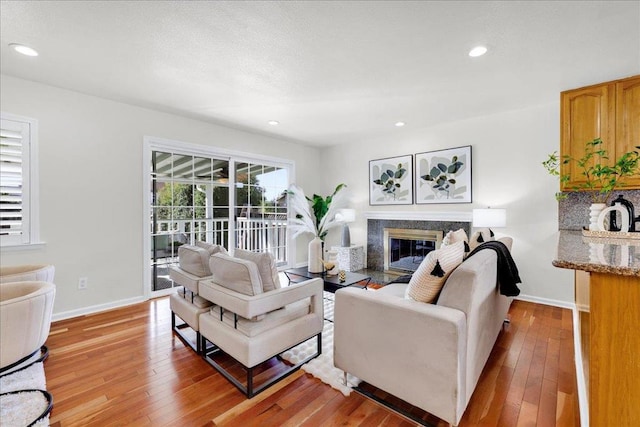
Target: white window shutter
x=14, y=182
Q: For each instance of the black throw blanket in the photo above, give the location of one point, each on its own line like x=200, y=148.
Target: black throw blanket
x=507, y=270
x=508, y=275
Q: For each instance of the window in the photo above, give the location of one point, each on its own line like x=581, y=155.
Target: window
x=215, y=196
x=18, y=182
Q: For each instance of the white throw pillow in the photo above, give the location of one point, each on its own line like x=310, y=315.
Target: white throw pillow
x=236, y=274
x=266, y=266
x=457, y=236
x=429, y=278
x=481, y=236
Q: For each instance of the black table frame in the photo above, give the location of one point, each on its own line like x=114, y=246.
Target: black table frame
x=331, y=283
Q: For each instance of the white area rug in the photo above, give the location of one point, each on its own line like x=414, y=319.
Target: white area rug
x=322, y=366
x=22, y=408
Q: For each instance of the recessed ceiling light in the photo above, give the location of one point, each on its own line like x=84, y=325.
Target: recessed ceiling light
x=477, y=51
x=25, y=50
x=400, y=124
x=273, y=122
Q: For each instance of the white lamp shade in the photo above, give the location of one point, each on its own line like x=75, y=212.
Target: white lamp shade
x=489, y=217
x=346, y=215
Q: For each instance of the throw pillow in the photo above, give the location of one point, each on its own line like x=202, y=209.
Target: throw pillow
x=236, y=274
x=457, y=236
x=429, y=278
x=266, y=266
x=213, y=249
x=481, y=236
x=194, y=260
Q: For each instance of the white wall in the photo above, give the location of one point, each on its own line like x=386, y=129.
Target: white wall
x=507, y=151
x=90, y=153
x=91, y=184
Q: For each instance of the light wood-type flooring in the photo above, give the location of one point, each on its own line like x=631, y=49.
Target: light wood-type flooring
x=125, y=367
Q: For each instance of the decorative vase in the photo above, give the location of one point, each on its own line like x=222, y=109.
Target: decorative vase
x=594, y=213
x=314, y=263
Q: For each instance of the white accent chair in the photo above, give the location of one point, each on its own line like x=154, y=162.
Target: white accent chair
x=25, y=320
x=186, y=304
x=252, y=325
x=27, y=273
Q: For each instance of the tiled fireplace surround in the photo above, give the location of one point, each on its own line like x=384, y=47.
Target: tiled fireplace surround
x=378, y=221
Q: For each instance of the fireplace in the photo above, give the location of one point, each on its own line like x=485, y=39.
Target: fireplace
x=378, y=221
x=404, y=249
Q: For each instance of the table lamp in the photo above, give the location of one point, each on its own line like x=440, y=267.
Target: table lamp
x=345, y=216
x=489, y=218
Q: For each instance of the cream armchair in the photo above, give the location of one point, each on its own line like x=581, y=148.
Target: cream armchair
x=252, y=325
x=25, y=319
x=24, y=273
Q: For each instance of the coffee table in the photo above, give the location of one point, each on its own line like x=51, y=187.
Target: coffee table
x=331, y=283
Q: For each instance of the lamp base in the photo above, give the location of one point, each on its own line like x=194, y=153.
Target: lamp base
x=346, y=236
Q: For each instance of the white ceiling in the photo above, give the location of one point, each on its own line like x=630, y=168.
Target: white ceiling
x=330, y=72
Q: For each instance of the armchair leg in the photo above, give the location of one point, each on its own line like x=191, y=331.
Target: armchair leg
x=250, y=390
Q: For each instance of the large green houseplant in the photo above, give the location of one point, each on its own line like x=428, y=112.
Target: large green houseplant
x=601, y=176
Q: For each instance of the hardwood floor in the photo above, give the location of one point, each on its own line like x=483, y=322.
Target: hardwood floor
x=125, y=367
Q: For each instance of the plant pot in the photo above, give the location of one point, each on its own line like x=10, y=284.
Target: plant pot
x=594, y=213
x=314, y=262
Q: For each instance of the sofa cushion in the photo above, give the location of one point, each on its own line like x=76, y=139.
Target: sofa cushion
x=429, y=278
x=194, y=260
x=481, y=236
x=266, y=266
x=210, y=247
x=239, y=275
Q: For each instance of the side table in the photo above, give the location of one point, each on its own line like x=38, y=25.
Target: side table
x=351, y=258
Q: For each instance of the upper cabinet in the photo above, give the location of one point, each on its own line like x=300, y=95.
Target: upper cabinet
x=610, y=111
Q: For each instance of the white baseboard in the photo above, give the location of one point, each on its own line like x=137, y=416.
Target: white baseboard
x=96, y=308
x=582, y=384
x=546, y=301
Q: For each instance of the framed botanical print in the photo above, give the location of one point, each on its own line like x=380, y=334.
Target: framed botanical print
x=444, y=176
x=391, y=181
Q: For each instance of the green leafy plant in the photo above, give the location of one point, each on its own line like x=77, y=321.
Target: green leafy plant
x=315, y=215
x=389, y=180
x=443, y=176
x=601, y=177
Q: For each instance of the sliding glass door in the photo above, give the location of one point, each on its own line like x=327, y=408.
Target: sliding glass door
x=236, y=203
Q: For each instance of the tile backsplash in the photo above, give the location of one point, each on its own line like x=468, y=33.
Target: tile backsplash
x=573, y=212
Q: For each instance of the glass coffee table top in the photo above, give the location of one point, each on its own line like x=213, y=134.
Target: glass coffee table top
x=331, y=283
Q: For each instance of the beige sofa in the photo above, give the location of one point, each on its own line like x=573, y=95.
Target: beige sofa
x=430, y=355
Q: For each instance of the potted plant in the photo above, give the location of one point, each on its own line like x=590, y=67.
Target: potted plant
x=315, y=216
x=601, y=176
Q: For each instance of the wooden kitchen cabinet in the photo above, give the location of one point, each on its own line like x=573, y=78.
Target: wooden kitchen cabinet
x=610, y=111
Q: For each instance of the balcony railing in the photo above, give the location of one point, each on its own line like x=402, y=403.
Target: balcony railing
x=251, y=234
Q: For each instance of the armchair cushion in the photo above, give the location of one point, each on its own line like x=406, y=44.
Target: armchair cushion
x=236, y=274
x=211, y=248
x=266, y=266
x=271, y=320
x=193, y=298
x=429, y=278
x=194, y=260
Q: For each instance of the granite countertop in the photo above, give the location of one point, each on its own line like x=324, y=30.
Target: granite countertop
x=599, y=255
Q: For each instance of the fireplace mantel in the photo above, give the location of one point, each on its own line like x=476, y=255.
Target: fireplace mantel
x=420, y=216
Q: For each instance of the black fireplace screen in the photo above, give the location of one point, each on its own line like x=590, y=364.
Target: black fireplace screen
x=407, y=254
